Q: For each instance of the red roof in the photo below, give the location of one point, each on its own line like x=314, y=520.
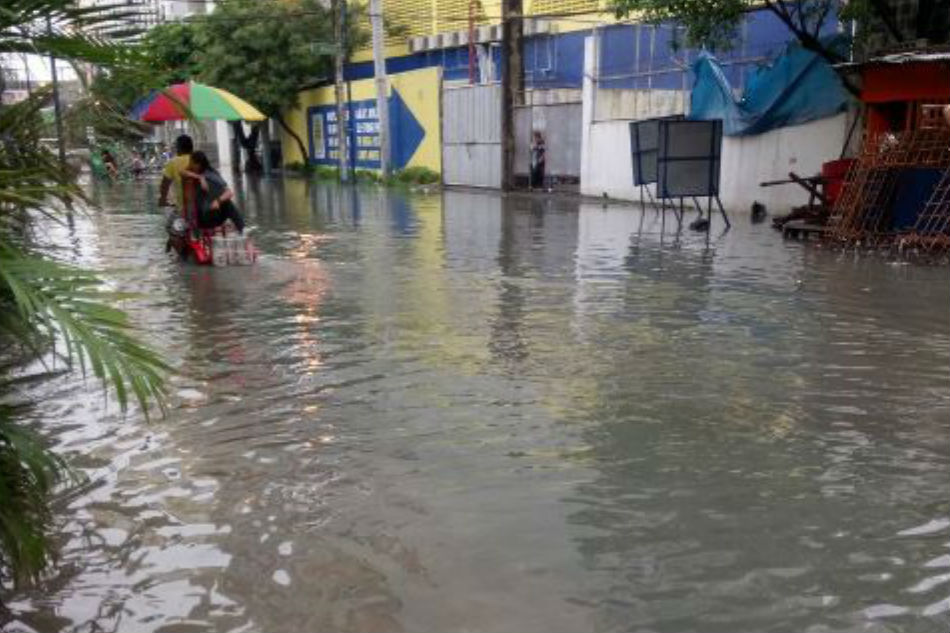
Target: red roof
x=924, y=80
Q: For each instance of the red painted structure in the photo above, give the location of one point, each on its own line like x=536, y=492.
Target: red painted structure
x=897, y=89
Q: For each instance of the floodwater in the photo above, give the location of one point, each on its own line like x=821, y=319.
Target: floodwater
x=454, y=412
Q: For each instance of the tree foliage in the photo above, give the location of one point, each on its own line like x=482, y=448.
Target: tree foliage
x=169, y=51
x=266, y=51
x=50, y=311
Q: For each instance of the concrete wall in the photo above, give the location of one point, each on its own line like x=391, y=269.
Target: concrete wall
x=746, y=161
x=611, y=104
x=749, y=160
x=606, y=166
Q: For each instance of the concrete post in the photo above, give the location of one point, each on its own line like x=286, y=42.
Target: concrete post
x=379, y=71
x=341, y=121
x=222, y=133
x=588, y=104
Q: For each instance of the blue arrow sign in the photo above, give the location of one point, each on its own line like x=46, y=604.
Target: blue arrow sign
x=406, y=133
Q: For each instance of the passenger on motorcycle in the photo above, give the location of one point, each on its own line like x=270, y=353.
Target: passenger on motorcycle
x=214, y=198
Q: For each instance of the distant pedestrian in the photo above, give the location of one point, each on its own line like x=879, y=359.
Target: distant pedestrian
x=110, y=163
x=138, y=165
x=537, y=161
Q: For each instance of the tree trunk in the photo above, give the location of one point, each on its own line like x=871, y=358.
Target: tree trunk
x=265, y=147
x=304, y=154
x=249, y=143
x=512, y=85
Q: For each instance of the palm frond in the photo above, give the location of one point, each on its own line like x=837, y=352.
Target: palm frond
x=30, y=175
x=67, y=305
x=28, y=474
x=50, y=310
x=96, y=34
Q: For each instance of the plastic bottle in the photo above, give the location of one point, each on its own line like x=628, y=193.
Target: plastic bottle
x=234, y=249
x=219, y=250
x=244, y=256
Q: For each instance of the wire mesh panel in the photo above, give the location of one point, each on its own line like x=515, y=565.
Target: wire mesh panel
x=644, y=148
x=688, y=158
x=865, y=210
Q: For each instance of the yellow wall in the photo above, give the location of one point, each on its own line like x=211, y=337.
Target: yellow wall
x=419, y=89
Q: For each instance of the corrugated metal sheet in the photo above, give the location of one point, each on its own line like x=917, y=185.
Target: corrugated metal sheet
x=471, y=135
x=473, y=165
x=472, y=114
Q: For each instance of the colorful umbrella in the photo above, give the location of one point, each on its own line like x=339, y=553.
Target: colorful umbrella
x=201, y=102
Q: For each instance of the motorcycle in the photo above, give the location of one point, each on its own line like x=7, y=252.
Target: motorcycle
x=219, y=246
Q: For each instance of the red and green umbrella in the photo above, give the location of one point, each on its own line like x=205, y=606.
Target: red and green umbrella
x=193, y=100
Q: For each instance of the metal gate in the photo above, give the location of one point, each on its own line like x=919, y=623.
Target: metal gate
x=471, y=135
x=560, y=125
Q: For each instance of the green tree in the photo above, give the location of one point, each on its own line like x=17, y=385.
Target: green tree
x=168, y=56
x=170, y=51
x=50, y=311
x=266, y=51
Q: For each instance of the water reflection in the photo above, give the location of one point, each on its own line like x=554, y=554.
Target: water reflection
x=459, y=411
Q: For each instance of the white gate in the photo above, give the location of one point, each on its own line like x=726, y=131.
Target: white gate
x=471, y=135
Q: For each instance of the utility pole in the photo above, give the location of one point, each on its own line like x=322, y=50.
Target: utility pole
x=351, y=158
x=57, y=108
x=471, y=42
x=379, y=71
x=341, y=122
x=512, y=85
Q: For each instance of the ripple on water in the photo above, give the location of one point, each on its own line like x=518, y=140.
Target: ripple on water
x=464, y=412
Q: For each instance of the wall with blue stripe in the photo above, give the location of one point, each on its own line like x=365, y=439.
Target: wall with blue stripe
x=557, y=60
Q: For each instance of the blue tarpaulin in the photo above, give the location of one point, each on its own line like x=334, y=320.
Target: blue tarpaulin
x=798, y=86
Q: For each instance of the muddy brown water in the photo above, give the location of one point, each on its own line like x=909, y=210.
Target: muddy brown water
x=454, y=412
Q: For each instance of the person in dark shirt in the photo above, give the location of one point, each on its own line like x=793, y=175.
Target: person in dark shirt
x=537, y=160
x=215, y=198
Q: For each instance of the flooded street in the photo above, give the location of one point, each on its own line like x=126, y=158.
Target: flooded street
x=454, y=412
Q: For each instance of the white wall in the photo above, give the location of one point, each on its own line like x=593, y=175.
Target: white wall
x=746, y=161
x=606, y=163
x=749, y=160
x=611, y=105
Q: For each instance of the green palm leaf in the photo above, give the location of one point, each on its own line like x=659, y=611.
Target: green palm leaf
x=66, y=306
x=49, y=310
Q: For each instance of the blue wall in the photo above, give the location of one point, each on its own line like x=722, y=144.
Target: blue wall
x=557, y=61
x=759, y=40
